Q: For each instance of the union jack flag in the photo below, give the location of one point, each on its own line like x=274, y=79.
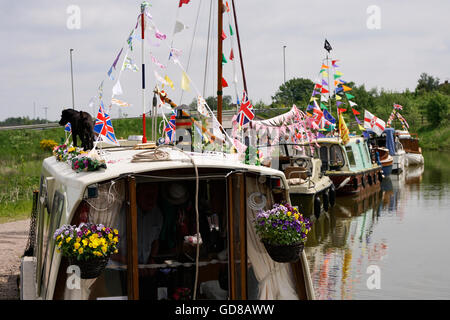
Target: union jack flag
x=68, y=127
x=246, y=112
x=104, y=128
x=171, y=127
x=398, y=107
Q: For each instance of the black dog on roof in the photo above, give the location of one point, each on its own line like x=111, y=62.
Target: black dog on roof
x=82, y=126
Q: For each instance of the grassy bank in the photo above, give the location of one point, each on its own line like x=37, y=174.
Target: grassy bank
x=21, y=159
x=435, y=138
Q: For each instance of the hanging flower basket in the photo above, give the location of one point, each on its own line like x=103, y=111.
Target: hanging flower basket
x=92, y=268
x=284, y=253
x=283, y=231
x=88, y=246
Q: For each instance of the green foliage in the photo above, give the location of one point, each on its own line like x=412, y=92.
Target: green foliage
x=436, y=108
x=427, y=83
x=295, y=91
x=17, y=121
x=227, y=103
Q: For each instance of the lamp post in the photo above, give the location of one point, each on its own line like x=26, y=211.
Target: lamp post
x=71, y=76
x=284, y=64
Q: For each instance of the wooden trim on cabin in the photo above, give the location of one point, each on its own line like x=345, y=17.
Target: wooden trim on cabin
x=299, y=278
x=132, y=253
x=243, y=237
x=231, y=266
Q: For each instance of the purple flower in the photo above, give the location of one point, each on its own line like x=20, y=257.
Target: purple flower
x=284, y=228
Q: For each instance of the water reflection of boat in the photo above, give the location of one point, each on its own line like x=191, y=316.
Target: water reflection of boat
x=414, y=174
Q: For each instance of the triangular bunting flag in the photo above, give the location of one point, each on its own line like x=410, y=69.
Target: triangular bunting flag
x=346, y=88
x=224, y=36
x=324, y=90
x=349, y=96
x=324, y=67
x=352, y=104
x=224, y=60
x=231, y=57
x=338, y=98
x=169, y=82
x=322, y=106
x=231, y=31
x=355, y=112
x=185, y=82
x=224, y=83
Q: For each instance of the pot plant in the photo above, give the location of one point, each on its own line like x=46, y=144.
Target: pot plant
x=88, y=246
x=283, y=231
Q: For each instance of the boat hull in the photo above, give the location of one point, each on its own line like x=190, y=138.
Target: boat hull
x=305, y=199
x=350, y=183
x=400, y=162
x=387, y=170
x=414, y=159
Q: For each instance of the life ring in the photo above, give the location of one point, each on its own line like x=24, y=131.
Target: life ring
x=332, y=195
x=326, y=200
x=317, y=206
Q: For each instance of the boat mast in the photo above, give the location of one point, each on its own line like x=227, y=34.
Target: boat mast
x=239, y=46
x=143, y=5
x=219, y=60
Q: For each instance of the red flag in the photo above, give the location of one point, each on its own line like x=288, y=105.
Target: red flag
x=341, y=110
x=224, y=36
x=355, y=112
x=228, y=8
x=224, y=83
x=324, y=90
x=183, y=2
x=231, y=54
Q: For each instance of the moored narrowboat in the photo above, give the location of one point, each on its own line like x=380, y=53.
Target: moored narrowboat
x=349, y=166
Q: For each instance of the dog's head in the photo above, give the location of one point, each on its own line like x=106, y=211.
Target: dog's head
x=66, y=116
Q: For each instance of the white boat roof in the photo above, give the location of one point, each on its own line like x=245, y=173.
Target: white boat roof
x=118, y=162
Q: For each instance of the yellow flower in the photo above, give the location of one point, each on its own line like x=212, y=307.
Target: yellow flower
x=296, y=216
x=78, y=239
x=110, y=236
x=85, y=242
x=60, y=244
x=58, y=237
x=115, y=251
x=289, y=213
x=76, y=245
x=116, y=239
x=68, y=239
x=115, y=231
x=104, y=249
x=80, y=251
x=71, y=149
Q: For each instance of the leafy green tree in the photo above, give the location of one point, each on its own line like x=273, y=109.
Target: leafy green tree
x=436, y=108
x=427, y=83
x=295, y=91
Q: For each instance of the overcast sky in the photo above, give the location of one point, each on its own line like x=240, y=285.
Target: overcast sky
x=413, y=37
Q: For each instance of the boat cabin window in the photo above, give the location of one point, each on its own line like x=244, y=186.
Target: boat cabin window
x=336, y=157
x=350, y=156
x=323, y=151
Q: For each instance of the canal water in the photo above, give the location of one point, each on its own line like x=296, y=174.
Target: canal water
x=391, y=244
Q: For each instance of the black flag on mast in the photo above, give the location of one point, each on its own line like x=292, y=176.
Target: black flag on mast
x=327, y=46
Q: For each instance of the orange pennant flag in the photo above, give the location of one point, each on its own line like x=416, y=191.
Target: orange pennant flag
x=346, y=88
x=324, y=67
